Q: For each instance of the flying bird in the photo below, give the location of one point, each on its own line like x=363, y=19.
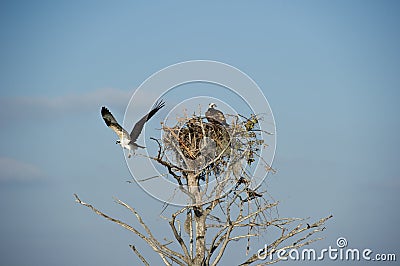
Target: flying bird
x=128, y=141
x=215, y=116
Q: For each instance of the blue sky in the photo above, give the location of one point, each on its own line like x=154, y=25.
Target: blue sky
x=330, y=71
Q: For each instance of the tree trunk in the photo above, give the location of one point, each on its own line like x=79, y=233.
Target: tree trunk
x=200, y=240
x=199, y=219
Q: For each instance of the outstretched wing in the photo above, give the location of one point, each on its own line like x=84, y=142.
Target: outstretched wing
x=137, y=129
x=112, y=123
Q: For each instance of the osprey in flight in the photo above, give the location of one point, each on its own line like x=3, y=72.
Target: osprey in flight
x=128, y=141
x=215, y=116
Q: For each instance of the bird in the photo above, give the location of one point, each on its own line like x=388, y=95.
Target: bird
x=252, y=194
x=128, y=141
x=215, y=116
x=241, y=180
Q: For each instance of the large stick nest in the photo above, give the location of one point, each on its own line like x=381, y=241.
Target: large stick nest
x=197, y=144
x=192, y=136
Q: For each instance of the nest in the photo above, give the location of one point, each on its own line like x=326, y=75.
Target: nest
x=197, y=145
x=196, y=134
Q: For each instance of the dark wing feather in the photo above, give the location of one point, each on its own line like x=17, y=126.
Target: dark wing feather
x=112, y=123
x=208, y=115
x=220, y=117
x=137, y=129
x=214, y=115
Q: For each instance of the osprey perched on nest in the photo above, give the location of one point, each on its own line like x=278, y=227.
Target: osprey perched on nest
x=126, y=140
x=215, y=116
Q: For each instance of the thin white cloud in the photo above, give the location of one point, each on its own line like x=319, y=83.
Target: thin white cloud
x=24, y=108
x=34, y=108
x=42, y=109
x=73, y=101
x=14, y=170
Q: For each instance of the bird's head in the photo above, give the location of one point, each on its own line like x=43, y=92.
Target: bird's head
x=212, y=105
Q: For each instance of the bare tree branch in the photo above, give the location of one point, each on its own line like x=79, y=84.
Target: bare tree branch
x=162, y=250
x=177, y=236
x=139, y=255
x=271, y=248
x=213, y=168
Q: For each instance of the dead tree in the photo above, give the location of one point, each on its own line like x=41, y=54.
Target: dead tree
x=212, y=165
